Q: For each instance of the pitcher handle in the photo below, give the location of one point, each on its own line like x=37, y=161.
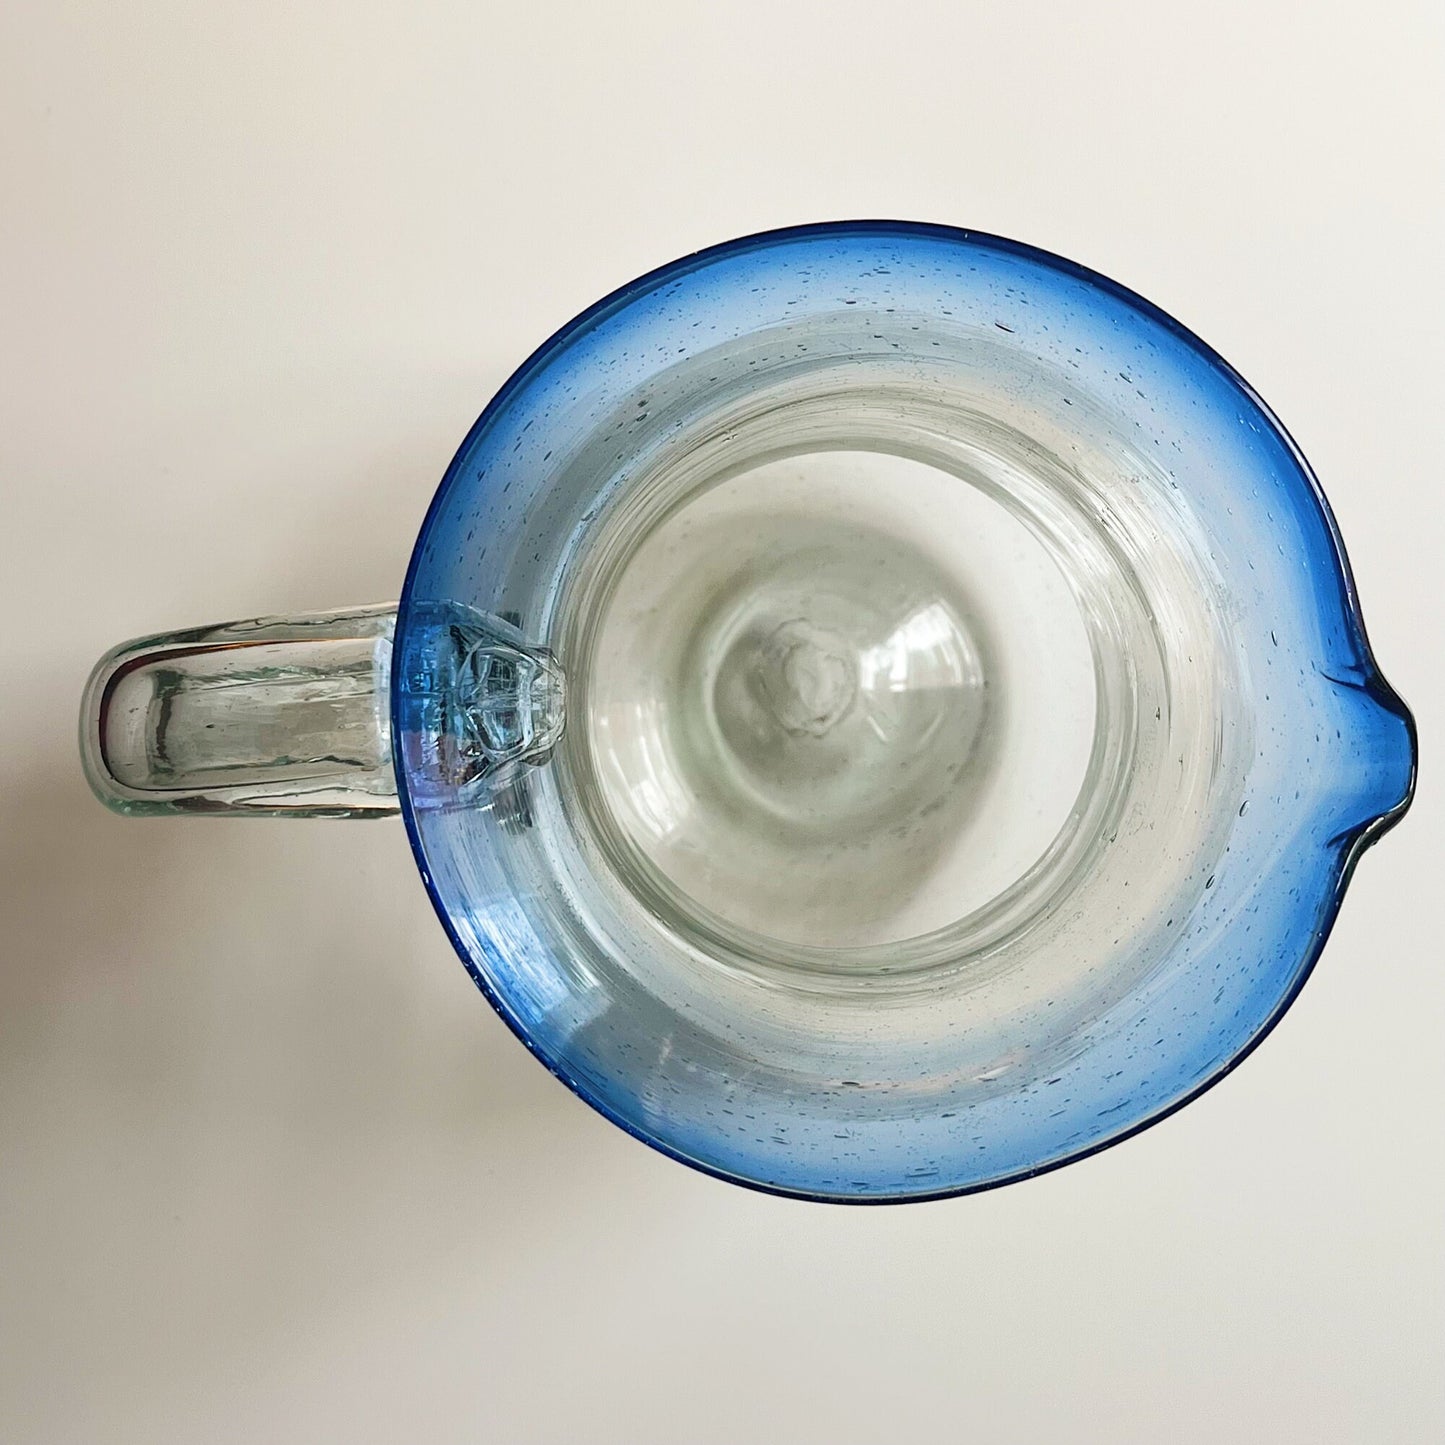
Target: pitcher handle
x=281, y=716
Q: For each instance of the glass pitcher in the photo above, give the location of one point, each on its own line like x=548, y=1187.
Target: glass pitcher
x=880, y=711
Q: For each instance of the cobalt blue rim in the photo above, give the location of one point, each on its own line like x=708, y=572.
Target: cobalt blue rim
x=1370, y=679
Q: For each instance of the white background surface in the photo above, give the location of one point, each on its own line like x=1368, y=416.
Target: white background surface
x=270, y=1170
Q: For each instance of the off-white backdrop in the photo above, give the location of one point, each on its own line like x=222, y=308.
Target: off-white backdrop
x=270, y=1170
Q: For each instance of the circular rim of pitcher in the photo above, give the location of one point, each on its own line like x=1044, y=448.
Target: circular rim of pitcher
x=1374, y=681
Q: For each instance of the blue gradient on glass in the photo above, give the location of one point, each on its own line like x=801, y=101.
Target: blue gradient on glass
x=1335, y=748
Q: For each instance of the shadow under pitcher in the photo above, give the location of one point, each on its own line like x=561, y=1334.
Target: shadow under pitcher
x=880, y=710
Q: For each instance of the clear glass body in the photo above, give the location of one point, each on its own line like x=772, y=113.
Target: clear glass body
x=880, y=711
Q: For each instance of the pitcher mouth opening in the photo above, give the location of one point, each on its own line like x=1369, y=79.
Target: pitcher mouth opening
x=867, y=680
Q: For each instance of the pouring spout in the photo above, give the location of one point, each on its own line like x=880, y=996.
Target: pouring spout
x=1381, y=757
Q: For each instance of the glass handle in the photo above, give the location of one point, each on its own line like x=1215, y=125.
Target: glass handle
x=291, y=716
x=282, y=716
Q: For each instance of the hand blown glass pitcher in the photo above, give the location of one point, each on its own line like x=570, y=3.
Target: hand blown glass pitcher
x=880, y=711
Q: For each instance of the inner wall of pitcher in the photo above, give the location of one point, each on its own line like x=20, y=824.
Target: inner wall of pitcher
x=870, y=671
